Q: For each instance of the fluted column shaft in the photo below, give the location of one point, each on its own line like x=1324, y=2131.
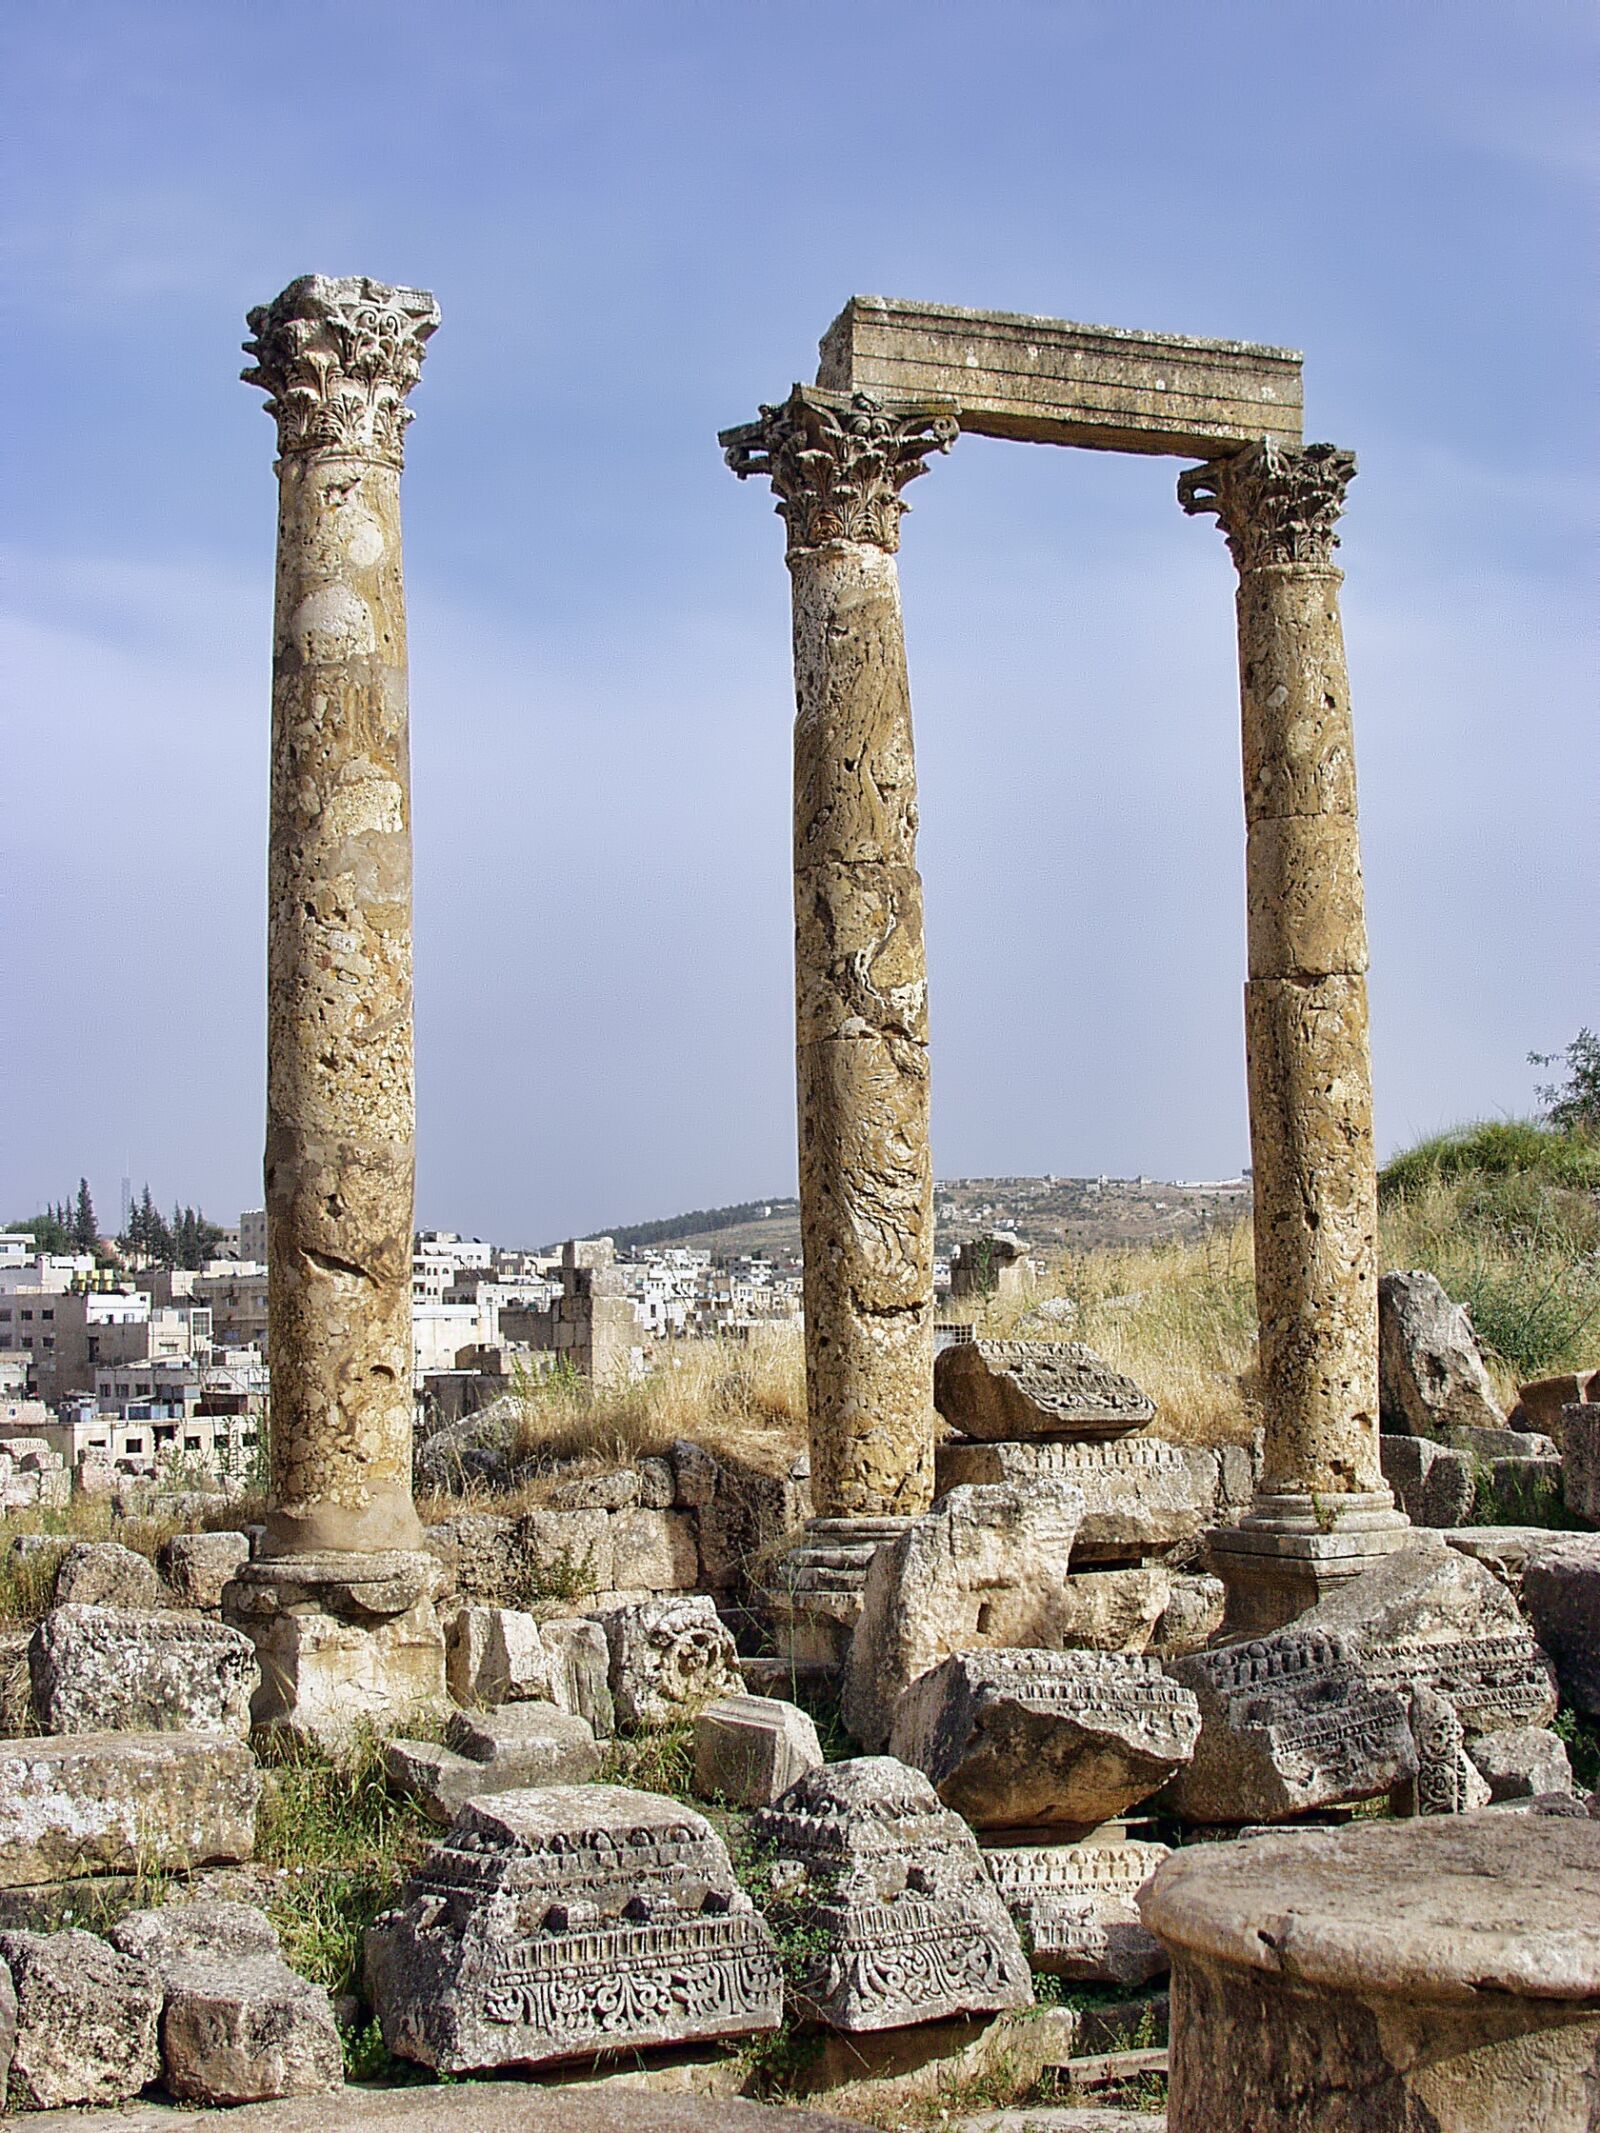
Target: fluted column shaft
x=1310, y=1084
x=337, y=359
x=837, y=464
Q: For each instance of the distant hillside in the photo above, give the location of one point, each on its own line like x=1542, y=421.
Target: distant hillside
x=702, y=1222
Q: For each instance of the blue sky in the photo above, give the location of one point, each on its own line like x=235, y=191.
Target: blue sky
x=638, y=219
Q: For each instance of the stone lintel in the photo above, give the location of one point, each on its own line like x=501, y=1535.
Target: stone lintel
x=1051, y=381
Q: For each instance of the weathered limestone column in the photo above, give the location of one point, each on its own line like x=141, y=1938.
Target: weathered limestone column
x=838, y=463
x=1322, y=1510
x=337, y=359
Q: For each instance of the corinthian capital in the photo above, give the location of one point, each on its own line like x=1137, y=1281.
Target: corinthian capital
x=838, y=461
x=336, y=359
x=1276, y=503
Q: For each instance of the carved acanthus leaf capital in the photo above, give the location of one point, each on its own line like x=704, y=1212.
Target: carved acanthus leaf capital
x=1276, y=503
x=838, y=461
x=336, y=359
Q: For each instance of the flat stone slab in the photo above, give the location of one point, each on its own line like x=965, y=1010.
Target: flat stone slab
x=475, y=2107
x=107, y=1803
x=130, y=1670
x=1003, y=1390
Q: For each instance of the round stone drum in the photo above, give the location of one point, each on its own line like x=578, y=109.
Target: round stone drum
x=1431, y=1976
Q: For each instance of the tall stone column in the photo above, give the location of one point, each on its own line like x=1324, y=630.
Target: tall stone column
x=1322, y=1510
x=838, y=464
x=337, y=359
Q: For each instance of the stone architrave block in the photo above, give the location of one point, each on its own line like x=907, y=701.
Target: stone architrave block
x=1287, y=1724
x=237, y=2024
x=1561, y=1590
x=197, y=1565
x=1433, y=1485
x=986, y=1568
x=1522, y=1763
x=1580, y=1458
x=105, y=1574
x=123, y=1803
x=668, y=1657
x=889, y=1889
x=556, y=1923
x=1138, y=1494
x=1018, y=1739
x=125, y=1670
x=1075, y=1905
x=655, y=1551
x=86, y=2021
x=748, y=1750
x=1431, y=1375
x=1002, y=1390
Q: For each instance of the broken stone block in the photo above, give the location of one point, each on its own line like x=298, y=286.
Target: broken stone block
x=1192, y=1616
x=1580, y=1457
x=888, y=1888
x=516, y=1665
x=655, y=1551
x=1001, y=1390
x=750, y=1749
x=1113, y=1610
x=1431, y=1375
x=657, y=1486
x=1561, y=1589
x=1138, y=1493
x=580, y=1671
x=1522, y=1763
x=746, y=1523
x=123, y=1803
x=694, y=1474
x=1013, y=1739
x=986, y=1567
x=1075, y=1906
x=237, y=2024
x=667, y=1658
x=556, y=1923
x=105, y=1574
x=123, y=1670
x=438, y=1779
x=491, y=1752
x=86, y=2021
x=197, y=1566
x=479, y=1552
x=1432, y=1484
x=1542, y=1405
x=597, y=1492
x=1287, y=1724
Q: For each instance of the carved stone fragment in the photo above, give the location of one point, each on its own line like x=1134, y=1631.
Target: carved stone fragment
x=1075, y=1906
x=1447, y=1782
x=889, y=1887
x=553, y=1924
x=1138, y=1493
x=748, y=1750
x=1014, y=1739
x=668, y=1657
x=1000, y=1390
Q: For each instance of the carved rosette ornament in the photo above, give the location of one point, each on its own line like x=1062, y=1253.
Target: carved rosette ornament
x=336, y=359
x=1276, y=503
x=838, y=462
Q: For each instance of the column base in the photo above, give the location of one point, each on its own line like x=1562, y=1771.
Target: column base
x=815, y=1593
x=343, y=1641
x=1292, y=1551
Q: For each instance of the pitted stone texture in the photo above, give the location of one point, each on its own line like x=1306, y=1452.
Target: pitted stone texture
x=1002, y=1390
x=986, y=1569
x=559, y=1922
x=1522, y=1763
x=105, y=1574
x=1431, y=1372
x=1447, y=1781
x=1075, y=1905
x=337, y=359
x=104, y=1803
x=1192, y=1616
x=1019, y=1738
x=890, y=1889
x=1390, y=1976
x=116, y=1670
x=1561, y=1589
x=488, y=1752
x=197, y=1565
x=667, y=1658
x=86, y=2021
x=750, y=1749
x=1138, y=1493
x=1580, y=1458
x=1432, y=1484
x=237, y=2024
x=694, y=1474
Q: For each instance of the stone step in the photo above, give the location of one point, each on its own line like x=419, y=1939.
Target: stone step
x=476, y=2107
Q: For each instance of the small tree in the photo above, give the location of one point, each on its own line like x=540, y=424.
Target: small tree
x=1573, y=1105
x=85, y=1229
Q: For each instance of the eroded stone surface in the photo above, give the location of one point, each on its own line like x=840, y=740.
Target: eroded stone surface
x=1001, y=1390
x=749, y=1750
x=123, y=1803
x=1561, y=1588
x=1432, y=1484
x=197, y=1565
x=1076, y=1907
x=105, y=1574
x=891, y=1887
x=986, y=1568
x=1522, y=1763
x=86, y=2021
x=125, y=1670
x=668, y=1657
x=1580, y=1457
x=1019, y=1738
x=1431, y=1371
x=554, y=1923
x=1138, y=1493
x=488, y=1752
